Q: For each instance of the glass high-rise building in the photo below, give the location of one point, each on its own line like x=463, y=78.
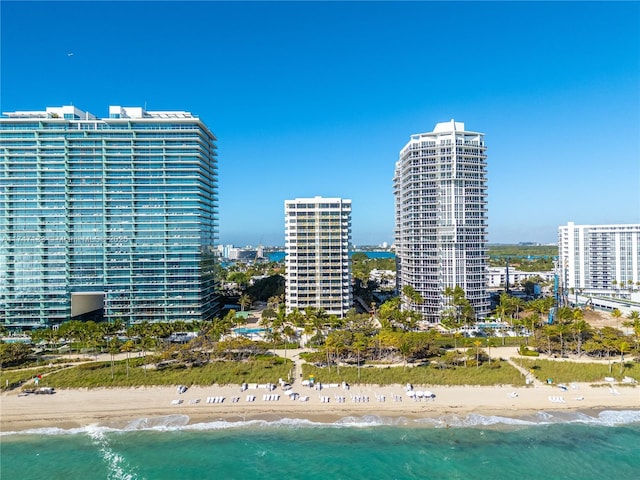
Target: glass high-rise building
x=115, y=215
x=440, y=190
x=317, y=242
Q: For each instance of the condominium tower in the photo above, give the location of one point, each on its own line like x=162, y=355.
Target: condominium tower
x=440, y=189
x=317, y=240
x=600, y=259
x=115, y=215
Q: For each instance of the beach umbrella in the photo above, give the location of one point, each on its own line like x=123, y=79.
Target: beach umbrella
x=411, y=393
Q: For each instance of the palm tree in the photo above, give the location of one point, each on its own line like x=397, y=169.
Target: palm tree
x=477, y=343
x=128, y=347
x=113, y=349
x=359, y=345
x=580, y=328
x=245, y=301
x=623, y=346
x=562, y=329
x=489, y=345
x=615, y=313
x=405, y=347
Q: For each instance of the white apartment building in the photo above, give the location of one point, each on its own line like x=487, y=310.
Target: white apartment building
x=317, y=240
x=497, y=276
x=440, y=189
x=600, y=259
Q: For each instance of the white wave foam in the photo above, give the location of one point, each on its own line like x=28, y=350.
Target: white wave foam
x=621, y=417
x=116, y=464
x=473, y=420
x=181, y=422
x=604, y=418
x=167, y=422
x=371, y=421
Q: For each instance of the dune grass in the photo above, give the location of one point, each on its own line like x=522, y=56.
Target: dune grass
x=99, y=374
x=564, y=372
x=498, y=373
x=13, y=378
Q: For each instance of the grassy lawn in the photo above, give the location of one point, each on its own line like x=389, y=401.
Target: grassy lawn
x=13, y=378
x=564, y=372
x=499, y=373
x=99, y=374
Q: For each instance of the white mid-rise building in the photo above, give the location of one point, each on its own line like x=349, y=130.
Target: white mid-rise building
x=440, y=189
x=600, y=259
x=317, y=241
x=497, y=276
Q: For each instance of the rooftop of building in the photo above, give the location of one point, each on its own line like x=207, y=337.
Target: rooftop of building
x=70, y=112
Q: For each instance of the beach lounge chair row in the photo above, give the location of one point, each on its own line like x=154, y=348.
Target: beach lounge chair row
x=215, y=399
x=176, y=402
x=270, y=397
x=324, y=399
x=359, y=398
x=251, y=398
x=556, y=399
x=397, y=398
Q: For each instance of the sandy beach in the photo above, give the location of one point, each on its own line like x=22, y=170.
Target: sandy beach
x=117, y=407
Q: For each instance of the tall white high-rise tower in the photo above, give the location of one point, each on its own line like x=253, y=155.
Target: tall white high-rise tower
x=317, y=240
x=440, y=189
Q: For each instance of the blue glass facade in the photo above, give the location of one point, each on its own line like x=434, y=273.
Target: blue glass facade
x=124, y=208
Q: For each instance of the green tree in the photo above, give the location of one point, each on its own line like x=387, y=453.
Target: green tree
x=245, y=301
x=616, y=314
x=359, y=345
x=477, y=343
x=128, y=347
x=623, y=346
x=13, y=354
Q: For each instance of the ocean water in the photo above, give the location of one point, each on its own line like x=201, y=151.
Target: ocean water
x=545, y=446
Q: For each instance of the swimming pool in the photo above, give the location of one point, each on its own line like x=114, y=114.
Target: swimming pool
x=249, y=331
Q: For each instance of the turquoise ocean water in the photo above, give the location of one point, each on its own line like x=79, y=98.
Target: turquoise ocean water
x=545, y=446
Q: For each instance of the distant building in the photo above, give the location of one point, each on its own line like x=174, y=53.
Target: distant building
x=114, y=216
x=386, y=279
x=440, y=189
x=242, y=254
x=317, y=240
x=497, y=276
x=600, y=259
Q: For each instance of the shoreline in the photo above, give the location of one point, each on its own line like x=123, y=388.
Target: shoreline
x=120, y=407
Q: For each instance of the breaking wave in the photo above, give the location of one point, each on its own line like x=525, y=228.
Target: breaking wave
x=607, y=418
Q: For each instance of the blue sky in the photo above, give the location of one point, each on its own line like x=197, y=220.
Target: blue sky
x=314, y=99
